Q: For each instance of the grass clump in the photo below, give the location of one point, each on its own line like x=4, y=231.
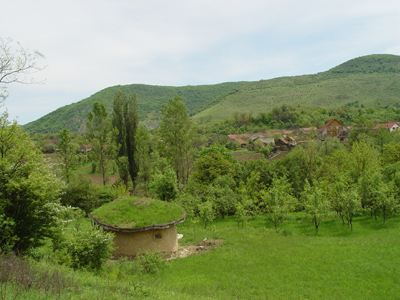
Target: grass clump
x=135, y=212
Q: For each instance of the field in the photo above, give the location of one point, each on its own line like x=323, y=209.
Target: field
x=256, y=262
x=259, y=263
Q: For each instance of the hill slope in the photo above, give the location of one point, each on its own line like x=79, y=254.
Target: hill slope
x=150, y=99
x=372, y=79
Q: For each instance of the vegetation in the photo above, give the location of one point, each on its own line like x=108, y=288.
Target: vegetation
x=17, y=64
x=263, y=263
x=100, y=136
x=369, y=81
x=67, y=152
x=28, y=189
x=365, y=80
x=177, y=134
x=136, y=212
x=150, y=99
x=125, y=120
x=306, y=224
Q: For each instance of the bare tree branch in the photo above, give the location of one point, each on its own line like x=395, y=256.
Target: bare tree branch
x=17, y=64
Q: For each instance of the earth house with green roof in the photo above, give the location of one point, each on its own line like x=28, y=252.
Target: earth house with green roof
x=140, y=224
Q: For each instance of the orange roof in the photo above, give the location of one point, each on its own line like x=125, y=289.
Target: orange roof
x=387, y=125
x=241, y=141
x=327, y=124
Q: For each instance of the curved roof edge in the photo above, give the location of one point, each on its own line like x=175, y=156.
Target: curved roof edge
x=154, y=226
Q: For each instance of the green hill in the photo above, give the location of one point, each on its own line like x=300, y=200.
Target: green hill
x=150, y=99
x=370, y=80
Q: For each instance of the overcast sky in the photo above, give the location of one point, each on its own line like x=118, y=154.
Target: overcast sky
x=90, y=45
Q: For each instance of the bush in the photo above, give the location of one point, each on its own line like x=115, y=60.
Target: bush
x=80, y=192
x=164, y=184
x=49, y=148
x=150, y=262
x=86, y=249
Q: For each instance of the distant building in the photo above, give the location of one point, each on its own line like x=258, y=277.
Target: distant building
x=86, y=148
x=333, y=128
x=390, y=126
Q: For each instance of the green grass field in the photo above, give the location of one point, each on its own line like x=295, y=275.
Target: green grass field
x=256, y=262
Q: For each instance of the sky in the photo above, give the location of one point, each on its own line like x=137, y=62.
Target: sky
x=86, y=46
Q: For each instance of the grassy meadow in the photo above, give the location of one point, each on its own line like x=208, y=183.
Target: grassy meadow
x=255, y=262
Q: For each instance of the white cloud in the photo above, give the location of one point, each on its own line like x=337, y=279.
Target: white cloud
x=90, y=45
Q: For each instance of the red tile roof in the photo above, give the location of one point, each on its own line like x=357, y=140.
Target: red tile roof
x=387, y=125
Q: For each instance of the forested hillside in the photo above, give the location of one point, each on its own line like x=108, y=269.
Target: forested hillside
x=372, y=80
x=150, y=99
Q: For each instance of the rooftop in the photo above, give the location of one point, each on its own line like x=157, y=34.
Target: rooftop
x=137, y=214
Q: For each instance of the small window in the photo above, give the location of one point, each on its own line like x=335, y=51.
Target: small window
x=157, y=236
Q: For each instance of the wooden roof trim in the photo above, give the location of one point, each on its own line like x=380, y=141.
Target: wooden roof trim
x=154, y=226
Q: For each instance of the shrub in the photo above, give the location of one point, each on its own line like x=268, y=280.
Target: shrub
x=150, y=262
x=86, y=249
x=80, y=192
x=164, y=184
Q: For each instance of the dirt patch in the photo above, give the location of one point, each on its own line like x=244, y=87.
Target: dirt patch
x=97, y=179
x=202, y=247
x=248, y=156
x=280, y=155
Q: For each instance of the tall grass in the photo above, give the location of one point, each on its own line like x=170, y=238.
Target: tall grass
x=256, y=262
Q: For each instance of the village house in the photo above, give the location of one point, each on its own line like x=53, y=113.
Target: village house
x=390, y=126
x=86, y=148
x=333, y=128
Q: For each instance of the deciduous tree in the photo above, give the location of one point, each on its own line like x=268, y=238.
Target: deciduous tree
x=316, y=203
x=100, y=135
x=67, y=152
x=27, y=188
x=16, y=65
x=177, y=132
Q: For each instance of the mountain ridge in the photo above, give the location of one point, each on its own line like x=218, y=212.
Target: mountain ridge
x=368, y=79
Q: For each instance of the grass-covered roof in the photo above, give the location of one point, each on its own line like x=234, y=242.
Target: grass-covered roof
x=133, y=213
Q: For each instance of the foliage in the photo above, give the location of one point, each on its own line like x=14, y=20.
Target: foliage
x=316, y=203
x=189, y=203
x=222, y=195
x=100, y=133
x=280, y=201
x=177, y=133
x=150, y=99
x=150, y=262
x=212, y=165
x=88, y=249
x=134, y=212
x=164, y=184
x=26, y=277
x=143, y=156
x=206, y=212
x=126, y=120
x=67, y=154
x=351, y=206
x=331, y=89
x=27, y=188
x=80, y=192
